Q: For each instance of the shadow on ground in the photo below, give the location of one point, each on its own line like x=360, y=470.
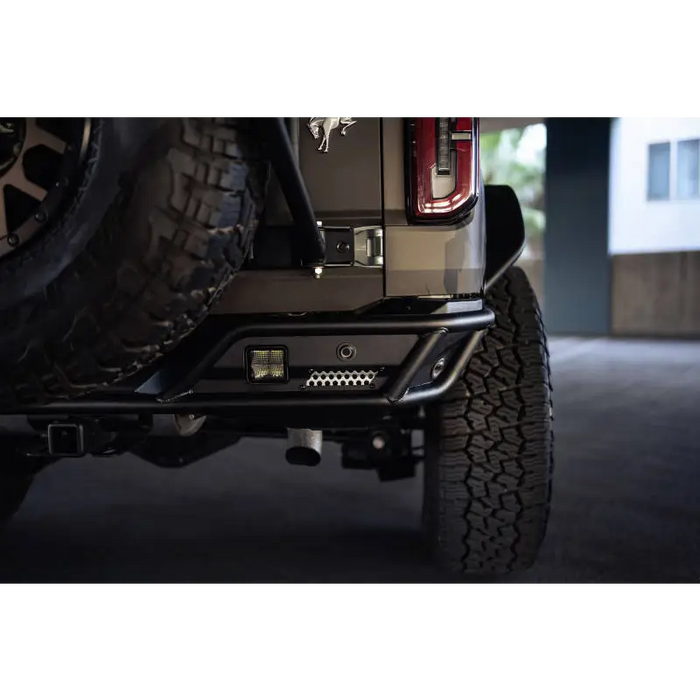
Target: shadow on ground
x=626, y=502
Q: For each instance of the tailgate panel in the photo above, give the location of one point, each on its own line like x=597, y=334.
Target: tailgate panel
x=345, y=184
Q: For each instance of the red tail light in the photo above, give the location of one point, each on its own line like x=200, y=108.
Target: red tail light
x=444, y=175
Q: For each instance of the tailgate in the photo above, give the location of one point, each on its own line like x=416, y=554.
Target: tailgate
x=344, y=183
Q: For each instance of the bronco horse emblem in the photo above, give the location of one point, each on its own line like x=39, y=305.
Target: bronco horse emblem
x=327, y=124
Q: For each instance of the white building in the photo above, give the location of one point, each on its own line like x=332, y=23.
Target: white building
x=654, y=185
x=653, y=228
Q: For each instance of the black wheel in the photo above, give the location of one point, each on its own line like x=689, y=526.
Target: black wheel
x=13, y=490
x=489, y=458
x=116, y=237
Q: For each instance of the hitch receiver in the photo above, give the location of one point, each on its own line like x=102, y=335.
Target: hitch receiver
x=66, y=440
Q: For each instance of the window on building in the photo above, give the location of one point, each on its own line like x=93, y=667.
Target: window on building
x=688, y=169
x=659, y=173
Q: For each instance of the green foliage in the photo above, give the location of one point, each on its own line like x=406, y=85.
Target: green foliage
x=502, y=163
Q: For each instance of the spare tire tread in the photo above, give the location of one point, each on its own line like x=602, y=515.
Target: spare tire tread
x=134, y=296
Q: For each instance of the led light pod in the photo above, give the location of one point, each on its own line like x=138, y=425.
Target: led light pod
x=267, y=365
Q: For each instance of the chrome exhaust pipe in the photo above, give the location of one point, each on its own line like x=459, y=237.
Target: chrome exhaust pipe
x=304, y=446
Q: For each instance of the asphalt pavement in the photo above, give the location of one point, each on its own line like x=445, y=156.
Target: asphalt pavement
x=626, y=497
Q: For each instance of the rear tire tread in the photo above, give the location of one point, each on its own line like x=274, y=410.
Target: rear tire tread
x=488, y=489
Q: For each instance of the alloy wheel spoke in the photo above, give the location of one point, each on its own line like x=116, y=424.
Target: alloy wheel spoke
x=18, y=179
x=39, y=164
x=36, y=136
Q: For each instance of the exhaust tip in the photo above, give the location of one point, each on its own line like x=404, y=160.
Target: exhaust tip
x=304, y=456
x=304, y=446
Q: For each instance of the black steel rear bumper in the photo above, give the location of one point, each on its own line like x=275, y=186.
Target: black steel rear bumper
x=176, y=385
x=200, y=376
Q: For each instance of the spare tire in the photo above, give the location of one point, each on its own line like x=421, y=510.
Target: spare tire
x=114, y=249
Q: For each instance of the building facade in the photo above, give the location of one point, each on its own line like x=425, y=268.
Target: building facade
x=654, y=186
x=622, y=236
x=654, y=225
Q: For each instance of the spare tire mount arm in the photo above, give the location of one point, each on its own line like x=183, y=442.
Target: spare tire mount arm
x=280, y=151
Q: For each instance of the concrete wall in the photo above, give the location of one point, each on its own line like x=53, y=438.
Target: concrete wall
x=656, y=294
x=637, y=225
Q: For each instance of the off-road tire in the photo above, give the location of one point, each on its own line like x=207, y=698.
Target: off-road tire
x=489, y=459
x=176, y=231
x=13, y=490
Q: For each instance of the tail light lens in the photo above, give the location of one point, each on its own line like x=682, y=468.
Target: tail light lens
x=444, y=173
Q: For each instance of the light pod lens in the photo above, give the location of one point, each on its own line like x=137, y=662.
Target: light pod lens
x=267, y=365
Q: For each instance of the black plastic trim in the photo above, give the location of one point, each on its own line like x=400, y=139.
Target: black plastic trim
x=505, y=231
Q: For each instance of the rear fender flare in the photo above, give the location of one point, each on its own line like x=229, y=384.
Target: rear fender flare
x=505, y=231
